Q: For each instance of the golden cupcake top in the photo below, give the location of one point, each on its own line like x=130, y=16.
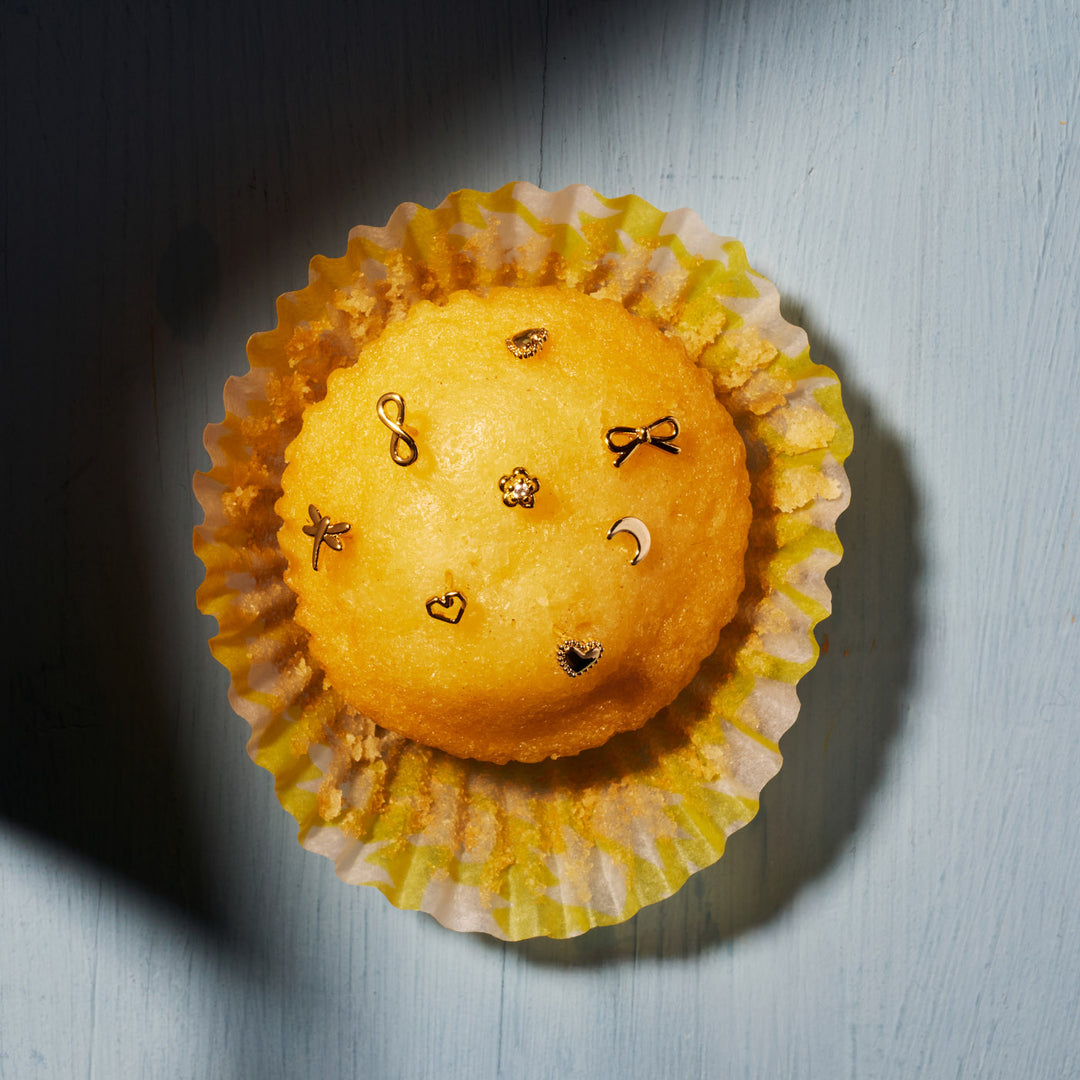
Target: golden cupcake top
x=516, y=525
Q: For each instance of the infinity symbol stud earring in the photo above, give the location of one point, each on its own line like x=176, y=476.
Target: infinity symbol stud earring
x=396, y=426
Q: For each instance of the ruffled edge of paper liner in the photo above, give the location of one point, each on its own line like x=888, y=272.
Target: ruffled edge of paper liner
x=553, y=849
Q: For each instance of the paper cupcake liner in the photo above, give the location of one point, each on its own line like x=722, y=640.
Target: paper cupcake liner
x=553, y=849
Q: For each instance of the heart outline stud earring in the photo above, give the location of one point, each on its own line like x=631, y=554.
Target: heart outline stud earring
x=453, y=611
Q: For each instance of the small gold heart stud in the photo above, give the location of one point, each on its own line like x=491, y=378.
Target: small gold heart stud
x=452, y=605
x=576, y=657
x=527, y=343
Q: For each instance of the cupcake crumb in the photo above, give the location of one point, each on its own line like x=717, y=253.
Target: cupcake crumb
x=801, y=428
x=238, y=502
x=736, y=355
x=762, y=392
x=794, y=487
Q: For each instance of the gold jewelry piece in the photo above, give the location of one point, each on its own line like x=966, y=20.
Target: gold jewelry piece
x=452, y=605
x=642, y=436
x=527, y=343
x=324, y=533
x=519, y=488
x=397, y=428
x=576, y=657
x=638, y=530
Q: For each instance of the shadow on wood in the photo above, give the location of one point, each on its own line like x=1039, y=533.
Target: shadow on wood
x=165, y=157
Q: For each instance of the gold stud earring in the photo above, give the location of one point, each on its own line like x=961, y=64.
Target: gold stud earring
x=398, y=432
x=519, y=488
x=630, y=438
x=527, y=343
x=323, y=533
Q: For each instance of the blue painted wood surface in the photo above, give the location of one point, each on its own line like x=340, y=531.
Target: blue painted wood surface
x=906, y=903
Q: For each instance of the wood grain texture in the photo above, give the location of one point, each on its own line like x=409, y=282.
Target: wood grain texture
x=909, y=175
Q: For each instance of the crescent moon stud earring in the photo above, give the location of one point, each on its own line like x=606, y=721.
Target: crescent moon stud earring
x=638, y=530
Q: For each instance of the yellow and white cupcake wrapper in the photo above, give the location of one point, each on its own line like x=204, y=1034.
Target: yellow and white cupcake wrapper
x=552, y=849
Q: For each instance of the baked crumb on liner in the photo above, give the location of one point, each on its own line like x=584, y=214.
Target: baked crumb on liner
x=550, y=849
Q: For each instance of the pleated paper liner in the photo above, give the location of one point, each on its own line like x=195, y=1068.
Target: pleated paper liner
x=552, y=849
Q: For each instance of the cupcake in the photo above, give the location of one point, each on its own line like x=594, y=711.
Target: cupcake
x=503, y=535
x=517, y=651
